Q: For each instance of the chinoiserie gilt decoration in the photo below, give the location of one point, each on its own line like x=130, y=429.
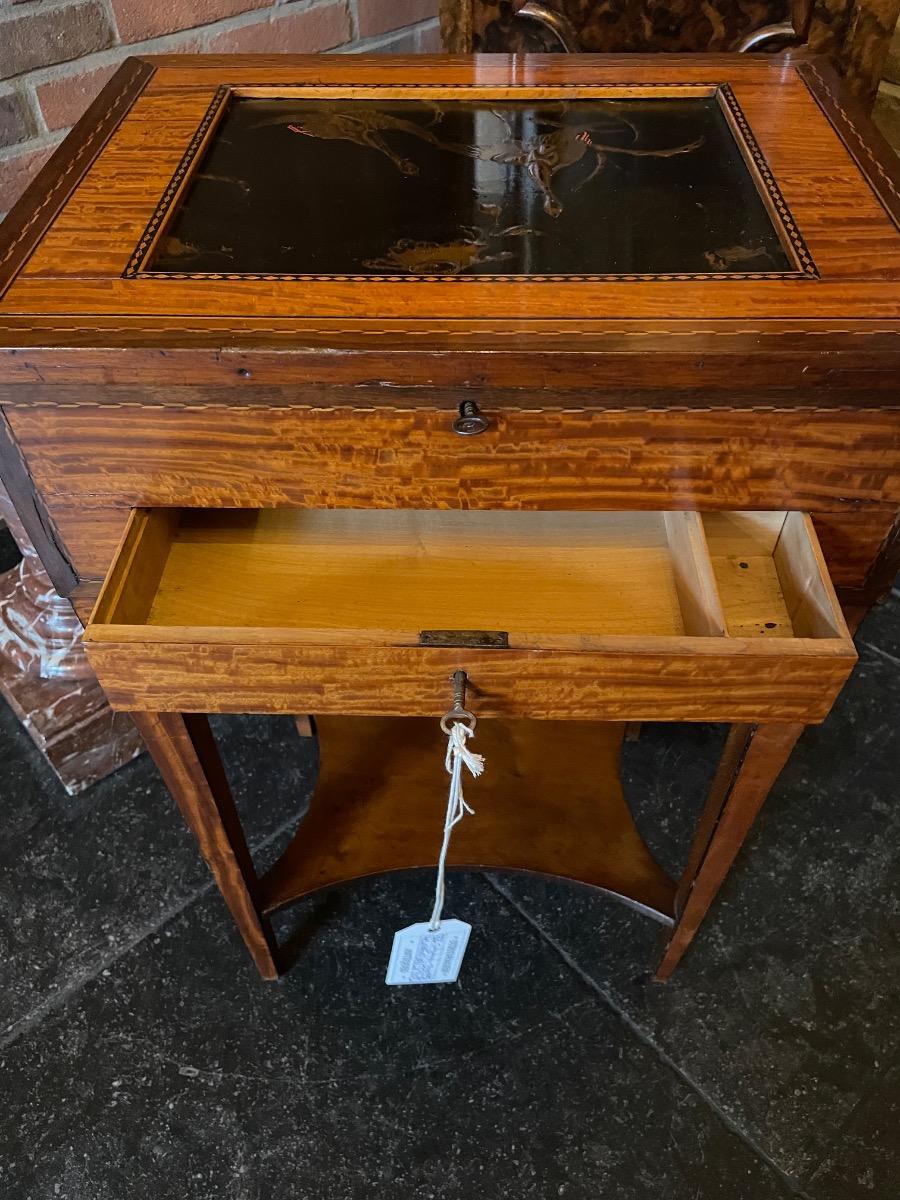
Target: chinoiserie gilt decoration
x=327, y=381
x=560, y=190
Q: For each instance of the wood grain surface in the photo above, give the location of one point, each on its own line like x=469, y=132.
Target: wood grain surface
x=754, y=679
x=548, y=580
x=91, y=465
x=34, y=212
x=586, y=602
x=185, y=752
x=76, y=269
x=376, y=574
x=385, y=457
x=615, y=363
x=633, y=395
x=753, y=759
x=32, y=512
x=381, y=793
x=852, y=541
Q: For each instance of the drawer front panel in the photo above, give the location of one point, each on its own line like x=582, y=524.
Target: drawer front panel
x=736, y=685
x=811, y=459
x=90, y=533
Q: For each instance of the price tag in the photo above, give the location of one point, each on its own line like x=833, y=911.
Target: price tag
x=424, y=955
x=432, y=951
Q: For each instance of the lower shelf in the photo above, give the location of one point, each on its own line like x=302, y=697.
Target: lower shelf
x=550, y=802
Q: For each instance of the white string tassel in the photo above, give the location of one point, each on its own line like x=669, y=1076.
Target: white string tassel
x=458, y=754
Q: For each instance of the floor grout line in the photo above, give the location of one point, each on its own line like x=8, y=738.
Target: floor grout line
x=87, y=975
x=81, y=979
x=787, y=1181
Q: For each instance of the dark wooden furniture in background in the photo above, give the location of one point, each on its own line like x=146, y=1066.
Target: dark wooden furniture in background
x=854, y=34
x=152, y=359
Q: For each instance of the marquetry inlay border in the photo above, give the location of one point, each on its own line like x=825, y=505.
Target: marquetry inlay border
x=776, y=206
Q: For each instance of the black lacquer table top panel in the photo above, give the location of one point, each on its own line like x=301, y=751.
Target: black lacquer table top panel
x=414, y=189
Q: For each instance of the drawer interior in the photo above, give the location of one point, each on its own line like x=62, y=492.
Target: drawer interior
x=770, y=576
x=547, y=579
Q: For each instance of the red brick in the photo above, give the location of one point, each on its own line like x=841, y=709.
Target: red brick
x=16, y=122
x=63, y=101
x=17, y=172
x=140, y=19
x=42, y=38
x=305, y=32
x=381, y=16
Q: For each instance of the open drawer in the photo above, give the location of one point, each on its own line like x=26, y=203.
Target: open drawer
x=610, y=616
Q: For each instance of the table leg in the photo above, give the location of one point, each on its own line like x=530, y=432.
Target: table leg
x=753, y=759
x=185, y=752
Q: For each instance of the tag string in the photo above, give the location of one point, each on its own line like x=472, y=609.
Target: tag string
x=458, y=755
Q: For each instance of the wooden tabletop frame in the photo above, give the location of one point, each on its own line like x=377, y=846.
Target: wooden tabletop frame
x=790, y=237
x=848, y=235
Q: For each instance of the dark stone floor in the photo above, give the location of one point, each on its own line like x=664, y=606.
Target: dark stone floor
x=142, y=1057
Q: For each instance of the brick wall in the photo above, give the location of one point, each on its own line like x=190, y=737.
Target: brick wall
x=55, y=55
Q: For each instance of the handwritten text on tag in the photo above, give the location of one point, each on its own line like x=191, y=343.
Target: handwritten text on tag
x=423, y=955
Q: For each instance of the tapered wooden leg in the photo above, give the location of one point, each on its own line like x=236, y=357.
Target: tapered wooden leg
x=183, y=748
x=753, y=759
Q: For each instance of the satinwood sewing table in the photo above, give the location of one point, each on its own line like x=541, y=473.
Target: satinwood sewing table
x=578, y=375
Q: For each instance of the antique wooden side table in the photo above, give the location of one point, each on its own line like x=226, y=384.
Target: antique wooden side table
x=578, y=375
